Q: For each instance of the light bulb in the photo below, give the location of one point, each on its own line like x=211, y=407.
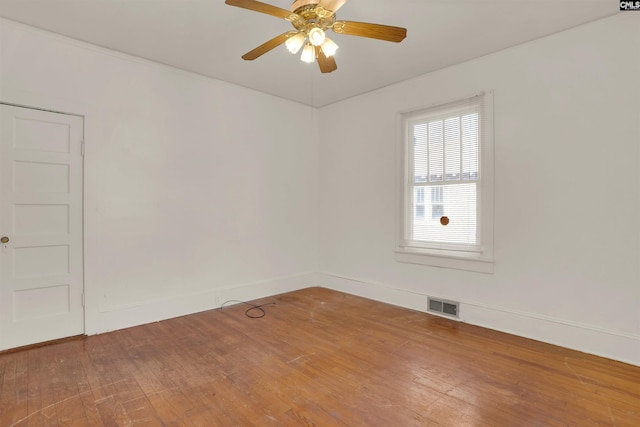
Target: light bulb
x=295, y=42
x=329, y=47
x=308, y=54
x=316, y=36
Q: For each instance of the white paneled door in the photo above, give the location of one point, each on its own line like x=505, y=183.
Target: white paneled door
x=41, y=272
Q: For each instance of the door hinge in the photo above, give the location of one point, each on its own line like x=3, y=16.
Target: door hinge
x=82, y=148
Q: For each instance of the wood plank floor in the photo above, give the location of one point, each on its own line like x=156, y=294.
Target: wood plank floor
x=318, y=357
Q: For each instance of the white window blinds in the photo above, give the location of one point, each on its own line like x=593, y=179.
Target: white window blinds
x=444, y=175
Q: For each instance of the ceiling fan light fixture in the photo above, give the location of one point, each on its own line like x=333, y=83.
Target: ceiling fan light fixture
x=310, y=20
x=308, y=54
x=329, y=47
x=316, y=36
x=295, y=42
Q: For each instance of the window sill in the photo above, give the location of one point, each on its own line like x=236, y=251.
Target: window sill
x=446, y=259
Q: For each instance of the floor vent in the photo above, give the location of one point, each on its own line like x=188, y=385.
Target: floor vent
x=440, y=306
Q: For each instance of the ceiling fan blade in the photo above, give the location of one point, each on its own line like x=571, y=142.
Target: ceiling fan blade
x=266, y=47
x=373, y=31
x=327, y=64
x=260, y=7
x=332, y=5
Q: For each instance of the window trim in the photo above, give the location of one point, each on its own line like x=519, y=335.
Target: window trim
x=443, y=255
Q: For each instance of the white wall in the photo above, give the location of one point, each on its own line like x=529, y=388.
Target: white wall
x=567, y=193
x=196, y=191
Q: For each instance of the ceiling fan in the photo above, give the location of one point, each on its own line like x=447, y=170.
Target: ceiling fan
x=311, y=19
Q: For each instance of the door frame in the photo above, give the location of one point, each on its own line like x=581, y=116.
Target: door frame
x=82, y=199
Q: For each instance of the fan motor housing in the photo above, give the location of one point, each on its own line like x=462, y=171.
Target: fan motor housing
x=311, y=15
x=297, y=4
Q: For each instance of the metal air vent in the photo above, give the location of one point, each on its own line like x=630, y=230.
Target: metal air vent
x=440, y=306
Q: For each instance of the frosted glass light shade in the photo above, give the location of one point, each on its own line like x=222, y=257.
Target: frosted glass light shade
x=329, y=47
x=308, y=54
x=295, y=42
x=316, y=36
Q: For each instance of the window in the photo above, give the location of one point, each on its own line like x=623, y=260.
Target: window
x=448, y=156
x=419, y=204
x=437, y=208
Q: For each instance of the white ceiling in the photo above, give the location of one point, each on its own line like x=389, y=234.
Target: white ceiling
x=208, y=37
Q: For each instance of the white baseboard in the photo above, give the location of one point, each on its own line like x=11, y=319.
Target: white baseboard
x=590, y=339
x=125, y=316
x=586, y=338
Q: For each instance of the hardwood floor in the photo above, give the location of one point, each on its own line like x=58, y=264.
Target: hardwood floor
x=318, y=357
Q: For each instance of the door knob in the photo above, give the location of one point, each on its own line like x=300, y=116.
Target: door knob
x=4, y=239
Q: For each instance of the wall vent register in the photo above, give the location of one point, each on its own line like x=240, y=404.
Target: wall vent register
x=445, y=307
